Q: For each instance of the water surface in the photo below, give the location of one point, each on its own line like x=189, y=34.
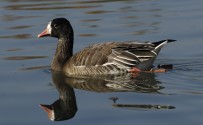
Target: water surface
x=174, y=97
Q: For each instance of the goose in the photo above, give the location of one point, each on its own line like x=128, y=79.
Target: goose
x=99, y=59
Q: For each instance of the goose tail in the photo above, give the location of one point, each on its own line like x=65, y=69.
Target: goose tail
x=160, y=44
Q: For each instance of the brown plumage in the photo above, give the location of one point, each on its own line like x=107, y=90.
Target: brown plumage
x=99, y=59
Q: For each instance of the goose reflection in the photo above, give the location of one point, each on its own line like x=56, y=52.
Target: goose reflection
x=65, y=107
x=142, y=82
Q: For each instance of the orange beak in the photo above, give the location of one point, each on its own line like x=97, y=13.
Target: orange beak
x=48, y=109
x=44, y=33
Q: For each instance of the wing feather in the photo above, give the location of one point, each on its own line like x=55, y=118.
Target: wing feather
x=123, y=54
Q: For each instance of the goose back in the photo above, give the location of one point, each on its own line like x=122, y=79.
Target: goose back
x=111, y=58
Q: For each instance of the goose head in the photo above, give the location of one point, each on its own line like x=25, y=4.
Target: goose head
x=58, y=28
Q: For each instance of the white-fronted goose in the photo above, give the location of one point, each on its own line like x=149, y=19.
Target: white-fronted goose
x=99, y=59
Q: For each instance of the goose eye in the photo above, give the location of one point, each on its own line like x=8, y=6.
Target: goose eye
x=55, y=26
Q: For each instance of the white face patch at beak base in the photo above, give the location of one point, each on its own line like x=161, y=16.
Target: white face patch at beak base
x=46, y=32
x=49, y=27
x=52, y=116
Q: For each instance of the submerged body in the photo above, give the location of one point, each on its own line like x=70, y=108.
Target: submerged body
x=99, y=59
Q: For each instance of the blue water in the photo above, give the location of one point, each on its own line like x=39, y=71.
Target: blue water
x=174, y=97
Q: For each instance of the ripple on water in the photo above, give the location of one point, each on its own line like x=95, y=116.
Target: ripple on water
x=24, y=57
x=47, y=6
x=16, y=36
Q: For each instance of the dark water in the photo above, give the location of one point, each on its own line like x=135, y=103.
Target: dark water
x=174, y=97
